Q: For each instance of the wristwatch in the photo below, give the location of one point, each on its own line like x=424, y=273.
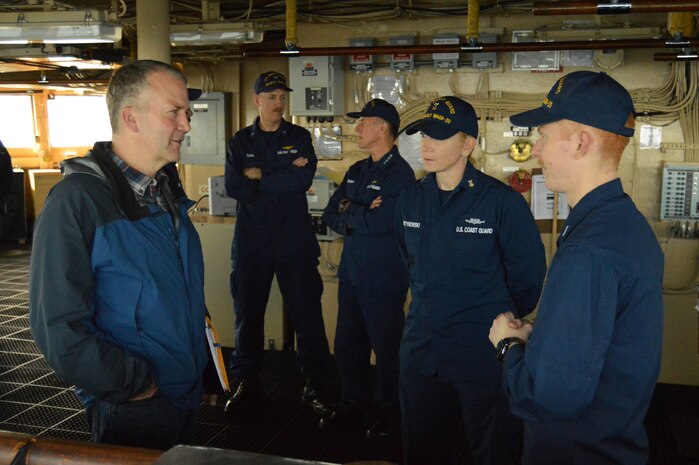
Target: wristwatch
x=504, y=345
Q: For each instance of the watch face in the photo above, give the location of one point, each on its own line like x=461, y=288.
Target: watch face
x=504, y=345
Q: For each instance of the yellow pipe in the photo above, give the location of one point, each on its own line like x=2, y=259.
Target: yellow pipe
x=682, y=22
x=291, y=40
x=474, y=9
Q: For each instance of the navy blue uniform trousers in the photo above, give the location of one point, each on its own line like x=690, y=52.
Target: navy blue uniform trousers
x=493, y=433
x=301, y=287
x=369, y=318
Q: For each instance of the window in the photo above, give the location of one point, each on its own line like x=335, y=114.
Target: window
x=78, y=121
x=16, y=121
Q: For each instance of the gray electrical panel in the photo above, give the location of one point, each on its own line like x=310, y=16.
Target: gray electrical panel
x=318, y=197
x=205, y=144
x=486, y=60
x=679, y=197
x=219, y=202
x=445, y=60
x=402, y=61
x=362, y=61
x=319, y=86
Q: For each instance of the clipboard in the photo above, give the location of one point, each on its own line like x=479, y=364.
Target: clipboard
x=215, y=376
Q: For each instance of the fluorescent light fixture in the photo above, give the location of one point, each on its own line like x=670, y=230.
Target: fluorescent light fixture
x=215, y=33
x=58, y=27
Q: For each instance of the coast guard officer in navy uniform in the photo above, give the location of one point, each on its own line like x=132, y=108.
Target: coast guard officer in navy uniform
x=373, y=281
x=582, y=378
x=473, y=251
x=269, y=167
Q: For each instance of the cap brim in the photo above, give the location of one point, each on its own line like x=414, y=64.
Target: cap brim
x=194, y=94
x=536, y=117
x=356, y=114
x=273, y=88
x=431, y=128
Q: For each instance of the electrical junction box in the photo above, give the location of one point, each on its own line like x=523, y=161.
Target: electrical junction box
x=362, y=61
x=445, y=60
x=402, y=61
x=318, y=197
x=205, y=144
x=546, y=60
x=486, y=60
x=219, y=203
x=319, y=86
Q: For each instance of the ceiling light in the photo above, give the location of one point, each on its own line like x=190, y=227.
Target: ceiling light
x=58, y=27
x=215, y=33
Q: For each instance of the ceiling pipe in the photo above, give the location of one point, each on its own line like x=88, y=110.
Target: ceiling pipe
x=612, y=7
x=291, y=39
x=474, y=10
x=685, y=56
x=681, y=24
x=481, y=48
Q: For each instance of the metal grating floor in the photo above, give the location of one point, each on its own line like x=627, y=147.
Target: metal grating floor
x=35, y=401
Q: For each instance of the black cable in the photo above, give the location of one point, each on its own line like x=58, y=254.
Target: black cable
x=193, y=207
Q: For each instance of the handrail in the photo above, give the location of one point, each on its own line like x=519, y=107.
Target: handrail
x=50, y=451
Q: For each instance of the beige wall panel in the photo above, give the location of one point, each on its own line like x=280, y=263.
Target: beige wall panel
x=640, y=170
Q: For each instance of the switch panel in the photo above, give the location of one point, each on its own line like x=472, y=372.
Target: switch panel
x=317, y=98
x=679, y=198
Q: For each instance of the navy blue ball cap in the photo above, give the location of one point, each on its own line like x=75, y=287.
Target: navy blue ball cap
x=193, y=94
x=445, y=117
x=586, y=97
x=269, y=81
x=380, y=109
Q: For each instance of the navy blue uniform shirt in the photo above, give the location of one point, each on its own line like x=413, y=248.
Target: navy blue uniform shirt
x=585, y=379
x=370, y=253
x=272, y=212
x=477, y=255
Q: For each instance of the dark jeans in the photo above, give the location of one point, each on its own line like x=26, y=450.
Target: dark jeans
x=152, y=423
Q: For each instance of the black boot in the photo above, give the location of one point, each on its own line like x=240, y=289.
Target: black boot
x=247, y=392
x=314, y=397
x=347, y=416
x=385, y=425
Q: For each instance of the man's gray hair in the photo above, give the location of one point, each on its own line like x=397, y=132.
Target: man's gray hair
x=129, y=81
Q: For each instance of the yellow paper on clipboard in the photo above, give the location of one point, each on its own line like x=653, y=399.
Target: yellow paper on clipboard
x=217, y=354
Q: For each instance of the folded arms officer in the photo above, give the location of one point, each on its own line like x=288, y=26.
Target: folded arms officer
x=373, y=280
x=269, y=167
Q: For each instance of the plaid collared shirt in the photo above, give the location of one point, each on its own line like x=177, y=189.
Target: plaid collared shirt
x=146, y=188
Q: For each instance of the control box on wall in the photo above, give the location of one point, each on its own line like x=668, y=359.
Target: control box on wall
x=319, y=86
x=205, y=144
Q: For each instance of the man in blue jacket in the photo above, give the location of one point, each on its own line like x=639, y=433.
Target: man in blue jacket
x=583, y=378
x=373, y=281
x=269, y=167
x=472, y=249
x=116, y=291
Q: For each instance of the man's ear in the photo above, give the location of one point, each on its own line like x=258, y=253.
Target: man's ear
x=129, y=118
x=256, y=100
x=584, y=140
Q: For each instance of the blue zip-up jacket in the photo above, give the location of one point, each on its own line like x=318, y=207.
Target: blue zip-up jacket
x=370, y=254
x=478, y=255
x=116, y=296
x=585, y=378
x=272, y=212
